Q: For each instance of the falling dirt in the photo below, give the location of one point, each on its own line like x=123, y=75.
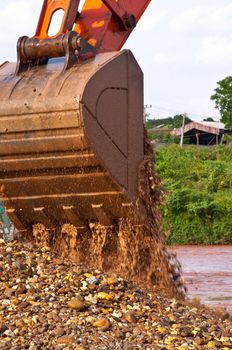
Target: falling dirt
x=132, y=250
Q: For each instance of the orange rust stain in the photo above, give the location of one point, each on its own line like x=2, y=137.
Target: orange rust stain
x=98, y=24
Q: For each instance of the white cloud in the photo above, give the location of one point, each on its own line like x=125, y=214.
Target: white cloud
x=21, y=14
x=206, y=17
x=215, y=51
x=165, y=58
x=187, y=20
x=151, y=20
x=17, y=18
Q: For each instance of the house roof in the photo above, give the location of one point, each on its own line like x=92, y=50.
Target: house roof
x=209, y=127
x=218, y=125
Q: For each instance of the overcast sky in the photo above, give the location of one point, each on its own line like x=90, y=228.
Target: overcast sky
x=184, y=48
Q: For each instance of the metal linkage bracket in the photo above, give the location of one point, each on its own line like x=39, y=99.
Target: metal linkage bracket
x=126, y=20
x=33, y=51
x=66, y=43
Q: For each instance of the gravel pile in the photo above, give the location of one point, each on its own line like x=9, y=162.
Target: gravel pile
x=50, y=303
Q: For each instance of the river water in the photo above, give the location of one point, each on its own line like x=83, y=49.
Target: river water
x=208, y=273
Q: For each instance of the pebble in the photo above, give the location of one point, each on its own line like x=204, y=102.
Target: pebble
x=77, y=304
x=130, y=317
x=66, y=340
x=70, y=307
x=102, y=323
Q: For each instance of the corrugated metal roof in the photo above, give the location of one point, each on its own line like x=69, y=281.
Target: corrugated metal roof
x=209, y=127
x=217, y=125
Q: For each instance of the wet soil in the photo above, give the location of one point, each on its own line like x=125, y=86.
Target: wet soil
x=208, y=273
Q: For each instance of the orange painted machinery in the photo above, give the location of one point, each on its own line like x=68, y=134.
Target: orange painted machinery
x=71, y=117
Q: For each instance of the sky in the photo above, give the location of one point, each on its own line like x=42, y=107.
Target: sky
x=183, y=47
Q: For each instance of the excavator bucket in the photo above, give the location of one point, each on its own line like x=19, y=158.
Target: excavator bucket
x=71, y=143
x=73, y=148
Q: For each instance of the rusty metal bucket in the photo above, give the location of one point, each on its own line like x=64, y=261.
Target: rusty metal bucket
x=71, y=143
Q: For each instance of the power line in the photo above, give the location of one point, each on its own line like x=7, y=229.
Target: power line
x=161, y=109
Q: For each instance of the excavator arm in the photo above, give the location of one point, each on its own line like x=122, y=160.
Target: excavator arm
x=101, y=26
x=106, y=24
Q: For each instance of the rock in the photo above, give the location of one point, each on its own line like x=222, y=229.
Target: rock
x=8, y=292
x=66, y=340
x=20, y=265
x=92, y=286
x=112, y=281
x=183, y=347
x=105, y=296
x=21, y=289
x=33, y=347
x=92, y=280
x=52, y=316
x=23, y=305
x=59, y=347
x=90, y=319
x=20, y=323
x=77, y=304
x=59, y=331
x=3, y=328
x=102, y=324
x=130, y=317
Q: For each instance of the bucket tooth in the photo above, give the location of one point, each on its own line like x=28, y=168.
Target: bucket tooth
x=126, y=209
x=102, y=216
x=72, y=217
x=41, y=217
x=17, y=219
x=25, y=213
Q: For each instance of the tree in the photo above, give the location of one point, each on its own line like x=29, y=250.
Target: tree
x=223, y=100
x=209, y=119
x=178, y=120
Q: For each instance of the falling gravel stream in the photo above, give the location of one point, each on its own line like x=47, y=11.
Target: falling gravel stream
x=208, y=273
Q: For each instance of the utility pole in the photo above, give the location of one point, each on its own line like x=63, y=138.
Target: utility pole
x=182, y=130
x=145, y=113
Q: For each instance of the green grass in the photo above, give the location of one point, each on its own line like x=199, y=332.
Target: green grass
x=198, y=209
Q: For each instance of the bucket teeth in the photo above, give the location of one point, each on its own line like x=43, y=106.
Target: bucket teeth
x=41, y=216
x=103, y=218
x=72, y=217
x=17, y=219
x=126, y=209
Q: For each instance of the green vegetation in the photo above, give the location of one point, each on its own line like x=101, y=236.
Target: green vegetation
x=198, y=209
x=164, y=137
x=164, y=126
x=223, y=100
x=169, y=122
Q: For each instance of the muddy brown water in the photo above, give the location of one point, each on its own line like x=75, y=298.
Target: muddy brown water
x=207, y=271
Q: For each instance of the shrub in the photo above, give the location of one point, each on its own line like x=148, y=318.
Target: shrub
x=198, y=208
